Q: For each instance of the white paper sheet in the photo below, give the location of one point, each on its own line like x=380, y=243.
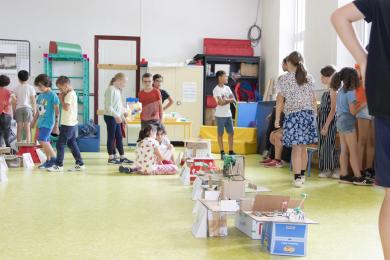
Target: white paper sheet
x=189, y=92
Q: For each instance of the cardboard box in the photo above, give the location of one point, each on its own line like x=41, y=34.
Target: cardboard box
x=285, y=238
x=249, y=226
x=232, y=190
x=269, y=203
x=217, y=224
x=249, y=70
x=197, y=148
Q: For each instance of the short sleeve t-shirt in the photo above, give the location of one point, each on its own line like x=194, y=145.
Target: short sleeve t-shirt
x=150, y=104
x=164, y=95
x=23, y=94
x=223, y=93
x=45, y=105
x=69, y=118
x=344, y=99
x=145, y=156
x=5, y=104
x=297, y=98
x=378, y=63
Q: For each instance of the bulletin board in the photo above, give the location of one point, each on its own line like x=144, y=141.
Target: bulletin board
x=14, y=56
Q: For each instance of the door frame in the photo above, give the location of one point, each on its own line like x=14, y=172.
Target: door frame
x=137, y=41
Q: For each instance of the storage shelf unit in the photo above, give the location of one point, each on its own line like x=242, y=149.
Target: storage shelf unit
x=210, y=81
x=82, y=94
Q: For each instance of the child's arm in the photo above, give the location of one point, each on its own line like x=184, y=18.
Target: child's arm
x=57, y=114
x=279, y=109
x=342, y=20
x=34, y=121
x=170, y=103
x=13, y=103
x=158, y=155
x=33, y=103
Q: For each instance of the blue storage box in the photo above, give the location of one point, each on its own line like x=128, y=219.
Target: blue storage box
x=285, y=238
x=89, y=143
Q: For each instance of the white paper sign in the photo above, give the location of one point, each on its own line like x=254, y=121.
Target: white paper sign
x=199, y=228
x=189, y=92
x=211, y=195
x=185, y=177
x=8, y=59
x=41, y=155
x=28, y=162
x=3, y=163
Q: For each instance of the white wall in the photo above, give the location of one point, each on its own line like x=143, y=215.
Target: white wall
x=170, y=30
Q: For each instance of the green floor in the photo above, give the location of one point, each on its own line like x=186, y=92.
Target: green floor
x=102, y=214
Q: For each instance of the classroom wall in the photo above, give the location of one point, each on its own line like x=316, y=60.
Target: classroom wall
x=171, y=30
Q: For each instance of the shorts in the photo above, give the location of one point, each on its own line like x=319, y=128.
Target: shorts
x=24, y=115
x=224, y=122
x=382, y=151
x=345, y=123
x=44, y=134
x=363, y=114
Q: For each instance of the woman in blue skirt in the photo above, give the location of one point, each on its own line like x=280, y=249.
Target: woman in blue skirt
x=298, y=101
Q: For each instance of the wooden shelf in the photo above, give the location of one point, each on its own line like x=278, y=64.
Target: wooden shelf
x=117, y=67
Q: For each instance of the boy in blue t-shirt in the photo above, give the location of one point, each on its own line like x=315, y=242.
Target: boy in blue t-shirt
x=47, y=117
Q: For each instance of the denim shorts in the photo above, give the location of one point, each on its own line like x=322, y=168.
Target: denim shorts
x=382, y=151
x=224, y=122
x=363, y=114
x=345, y=123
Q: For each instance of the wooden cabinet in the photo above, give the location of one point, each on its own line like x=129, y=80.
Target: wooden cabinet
x=178, y=82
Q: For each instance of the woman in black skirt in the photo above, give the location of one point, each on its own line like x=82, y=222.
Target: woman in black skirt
x=328, y=157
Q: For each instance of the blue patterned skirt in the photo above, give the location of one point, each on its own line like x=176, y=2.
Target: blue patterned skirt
x=300, y=128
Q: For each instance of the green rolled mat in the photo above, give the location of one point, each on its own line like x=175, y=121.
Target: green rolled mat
x=64, y=48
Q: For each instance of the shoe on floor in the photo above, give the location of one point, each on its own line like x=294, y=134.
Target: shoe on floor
x=298, y=183
x=362, y=181
x=56, y=168
x=77, y=168
x=124, y=169
x=274, y=164
x=303, y=178
x=325, y=174
x=267, y=160
x=222, y=155
x=125, y=161
x=348, y=179
x=44, y=165
x=113, y=161
x=232, y=153
x=335, y=175
x=369, y=174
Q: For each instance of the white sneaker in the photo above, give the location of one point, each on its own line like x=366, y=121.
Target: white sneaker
x=77, y=168
x=303, y=179
x=55, y=168
x=298, y=183
x=335, y=175
x=325, y=174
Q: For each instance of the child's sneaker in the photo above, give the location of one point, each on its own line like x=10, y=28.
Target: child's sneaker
x=362, y=181
x=44, y=165
x=298, y=183
x=325, y=174
x=335, y=175
x=77, y=168
x=55, y=168
x=369, y=174
x=265, y=161
x=348, y=179
x=222, y=155
x=303, y=178
x=113, y=161
x=123, y=169
x=274, y=164
x=125, y=161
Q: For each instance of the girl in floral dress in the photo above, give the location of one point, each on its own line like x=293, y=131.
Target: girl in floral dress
x=148, y=157
x=298, y=101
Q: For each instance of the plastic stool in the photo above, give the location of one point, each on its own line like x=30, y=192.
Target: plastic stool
x=31, y=150
x=310, y=152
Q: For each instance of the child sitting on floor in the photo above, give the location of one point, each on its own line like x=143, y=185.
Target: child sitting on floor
x=149, y=160
x=166, y=148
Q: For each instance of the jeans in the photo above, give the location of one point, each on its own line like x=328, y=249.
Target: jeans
x=5, y=127
x=114, y=136
x=68, y=137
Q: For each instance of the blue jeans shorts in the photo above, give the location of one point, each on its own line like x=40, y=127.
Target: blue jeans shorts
x=44, y=134
x=346, y=123
x=224, y=122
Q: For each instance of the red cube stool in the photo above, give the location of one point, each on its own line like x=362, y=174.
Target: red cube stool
x=31, y=149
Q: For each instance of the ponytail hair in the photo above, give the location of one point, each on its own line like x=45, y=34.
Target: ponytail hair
x=296, y=59
x=146, y=132
x=117, y=76
x=348, y=76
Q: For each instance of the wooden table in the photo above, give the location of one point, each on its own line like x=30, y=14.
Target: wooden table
x=187, y=126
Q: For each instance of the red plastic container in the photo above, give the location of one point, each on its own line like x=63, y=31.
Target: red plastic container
x=227, y=47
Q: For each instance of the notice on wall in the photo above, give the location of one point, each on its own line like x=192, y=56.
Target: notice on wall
x=8, y=59
x=189, y=92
